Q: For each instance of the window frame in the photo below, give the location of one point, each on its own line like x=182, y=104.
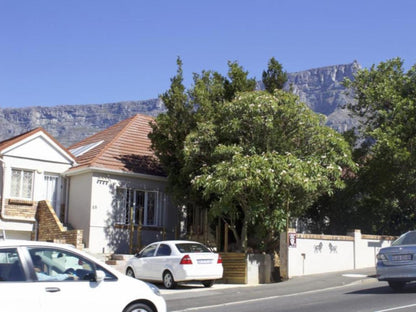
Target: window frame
x=129, y=197
x=145, y=253
x=19, y=262
x=46, y=249
x=20, y=185
x=161, y=250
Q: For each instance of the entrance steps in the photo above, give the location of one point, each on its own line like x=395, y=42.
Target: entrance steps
x=119, y=261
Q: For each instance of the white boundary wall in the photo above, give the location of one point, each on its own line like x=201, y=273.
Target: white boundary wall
x=304, y=254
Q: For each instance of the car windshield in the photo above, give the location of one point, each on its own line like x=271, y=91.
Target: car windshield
x=408, y=238
x=191, y=247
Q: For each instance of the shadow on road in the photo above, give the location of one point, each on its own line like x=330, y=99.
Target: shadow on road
x=185, y=286
x=410, y=288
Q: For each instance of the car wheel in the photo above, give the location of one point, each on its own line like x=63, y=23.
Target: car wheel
x=138, y=307
x=397, y=286
x=208, y=283
x=168, y=280
x=130, y=272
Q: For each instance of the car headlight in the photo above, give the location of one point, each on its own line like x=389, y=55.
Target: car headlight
x=381, y=257
x=154, y=289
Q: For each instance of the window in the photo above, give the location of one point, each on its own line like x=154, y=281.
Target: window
x=149, y=251
x=57, y=265
x=191, y=247
x=84, y=149
x=163, y=250
x=408, y=238
x=22, y=184
x=10, y=267
x=143, y=204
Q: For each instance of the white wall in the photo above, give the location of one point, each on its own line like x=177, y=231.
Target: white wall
x=100, y=234
x=12, y=234
x=367, y=248
x=41, y=155
x=17, y=226
x=79, y=204
x=40, y=168
x=312, y=254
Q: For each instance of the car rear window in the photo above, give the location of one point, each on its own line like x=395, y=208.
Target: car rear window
x=406, y=239
x=191, y=247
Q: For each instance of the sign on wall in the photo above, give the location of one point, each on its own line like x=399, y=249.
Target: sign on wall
x=292, y=240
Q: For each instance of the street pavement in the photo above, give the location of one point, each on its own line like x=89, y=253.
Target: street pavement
x=294, y=285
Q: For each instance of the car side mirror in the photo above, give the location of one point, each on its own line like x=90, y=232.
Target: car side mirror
x=99, y=276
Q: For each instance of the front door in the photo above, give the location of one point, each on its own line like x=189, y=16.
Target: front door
x=51, y=191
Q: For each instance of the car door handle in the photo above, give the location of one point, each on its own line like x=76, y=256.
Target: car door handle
x=52, y=289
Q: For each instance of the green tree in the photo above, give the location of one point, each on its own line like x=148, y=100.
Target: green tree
x=385, y=194
x=169, y=133
x=183, y=109
x=237, y=81
x=274, y=77
x=270, y=157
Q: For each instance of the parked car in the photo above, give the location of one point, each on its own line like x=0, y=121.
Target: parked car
x=176, y=261
x=40, y=276
x=397, y=264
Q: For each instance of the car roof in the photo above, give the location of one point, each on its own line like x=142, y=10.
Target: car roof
x=176, y=242
x=18, y=242
x=28, y=243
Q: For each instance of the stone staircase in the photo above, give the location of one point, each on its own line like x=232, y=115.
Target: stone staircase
x=117, y=261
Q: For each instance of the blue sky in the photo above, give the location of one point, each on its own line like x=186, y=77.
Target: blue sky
x=57, y=52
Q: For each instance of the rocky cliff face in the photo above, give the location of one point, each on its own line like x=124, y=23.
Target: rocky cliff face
x=322, y=90
x=319, y=88
x=71, y=123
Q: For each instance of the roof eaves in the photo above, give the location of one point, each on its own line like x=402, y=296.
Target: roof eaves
x=10, y=142
x=84, y=169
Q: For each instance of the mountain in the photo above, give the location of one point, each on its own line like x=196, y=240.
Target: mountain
x=321, y=89
x=72, y=123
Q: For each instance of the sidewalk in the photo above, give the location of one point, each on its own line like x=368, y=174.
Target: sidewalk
x=296, y=284
x=333, y=279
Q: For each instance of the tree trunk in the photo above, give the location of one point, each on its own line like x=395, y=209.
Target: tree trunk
x=244, y=230
x=233, y=229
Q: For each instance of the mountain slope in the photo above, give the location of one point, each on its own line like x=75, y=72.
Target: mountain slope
x=319, y=88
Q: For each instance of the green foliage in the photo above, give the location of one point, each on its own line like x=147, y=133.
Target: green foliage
x=383, y=197
x=169, y=133
x=274, y=78
x=271, y=158
x=255, y=159
x=237, y=82
x=184, y=109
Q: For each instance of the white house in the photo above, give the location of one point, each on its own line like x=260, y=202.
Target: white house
x=109, y=185
x=117, y=190
x=31, y=169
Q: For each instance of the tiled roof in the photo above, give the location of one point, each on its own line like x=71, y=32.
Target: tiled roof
x=122, y=147
x=9, y=142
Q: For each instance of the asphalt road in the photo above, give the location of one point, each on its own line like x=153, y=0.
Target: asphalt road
x=346, y=291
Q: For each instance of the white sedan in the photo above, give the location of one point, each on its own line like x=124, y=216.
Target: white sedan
x=176, y=261
x=40, y=276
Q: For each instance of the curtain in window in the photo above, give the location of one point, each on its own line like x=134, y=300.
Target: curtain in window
x=51, y=191
x=21, y=186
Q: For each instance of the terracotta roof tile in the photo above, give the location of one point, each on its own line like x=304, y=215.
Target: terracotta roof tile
x=124, y=146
